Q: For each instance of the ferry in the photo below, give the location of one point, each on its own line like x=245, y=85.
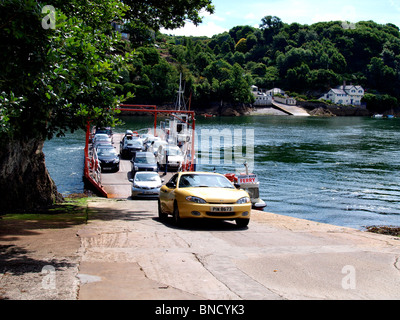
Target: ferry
x=177, y=130
x=250, y=183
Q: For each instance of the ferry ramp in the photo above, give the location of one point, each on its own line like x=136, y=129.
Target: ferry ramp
x=117, y=184
x=291, y=110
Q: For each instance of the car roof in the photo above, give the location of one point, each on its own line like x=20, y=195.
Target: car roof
x=141, y=173
x=201, y=173
x=142, y=153
x=105, y=146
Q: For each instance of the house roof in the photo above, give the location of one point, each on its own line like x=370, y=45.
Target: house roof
x=338, y=91
x=348, y=88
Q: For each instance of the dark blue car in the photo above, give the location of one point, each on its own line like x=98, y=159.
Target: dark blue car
x=144, y=161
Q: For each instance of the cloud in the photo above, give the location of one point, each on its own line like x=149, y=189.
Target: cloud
x=346, y=13
x=208, y=29
x=211, y=25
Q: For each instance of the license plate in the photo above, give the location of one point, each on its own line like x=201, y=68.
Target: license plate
x=148, y=192
x=221, y=209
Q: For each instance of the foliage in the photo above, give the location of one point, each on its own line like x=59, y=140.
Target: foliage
x=154, y=14
x=305, y=59
x=378, y=103
x=57, y=79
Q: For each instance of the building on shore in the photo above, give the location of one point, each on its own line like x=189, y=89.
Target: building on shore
x=345, y=95
x=264, y=97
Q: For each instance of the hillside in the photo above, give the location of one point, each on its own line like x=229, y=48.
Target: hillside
x=305, y=60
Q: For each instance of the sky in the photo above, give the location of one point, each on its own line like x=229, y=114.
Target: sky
x=231, y=13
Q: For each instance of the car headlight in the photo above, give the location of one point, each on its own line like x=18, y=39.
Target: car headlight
x=116, y=160
x=243, y=200
x=195, y=199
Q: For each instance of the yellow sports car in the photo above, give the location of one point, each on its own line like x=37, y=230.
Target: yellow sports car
x=203, y=195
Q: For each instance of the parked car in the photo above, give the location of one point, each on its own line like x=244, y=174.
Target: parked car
x=144, y=161
x=146, y=185
x=101, y=138
x=108, y=158
x=170, y=156
x=105, y=130
x=129, y=145
x=203, y=195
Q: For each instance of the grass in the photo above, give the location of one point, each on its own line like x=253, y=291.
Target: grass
x=73, y=209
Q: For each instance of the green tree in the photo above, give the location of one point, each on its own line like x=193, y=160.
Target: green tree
x=241, y=45
x=155, y=14
x=237, y=87
x=54, y=80
x=270, y=25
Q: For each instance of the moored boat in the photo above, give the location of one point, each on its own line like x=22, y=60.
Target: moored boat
x=250, y=183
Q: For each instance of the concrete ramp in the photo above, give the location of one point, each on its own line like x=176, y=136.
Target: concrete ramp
x=292, y=110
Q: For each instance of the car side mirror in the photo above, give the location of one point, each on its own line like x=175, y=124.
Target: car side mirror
x=237, y=186
x=170, y=185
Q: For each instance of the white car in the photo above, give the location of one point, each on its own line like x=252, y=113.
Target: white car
x=146, y=184
x=129, y=145
x=170, y=156
x=101, y=138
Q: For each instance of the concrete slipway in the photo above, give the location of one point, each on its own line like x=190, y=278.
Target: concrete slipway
x=127, y=253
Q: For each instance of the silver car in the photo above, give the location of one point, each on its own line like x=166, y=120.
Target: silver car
x=146, y=184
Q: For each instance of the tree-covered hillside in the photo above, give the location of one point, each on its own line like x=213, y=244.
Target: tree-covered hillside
x=302, y=59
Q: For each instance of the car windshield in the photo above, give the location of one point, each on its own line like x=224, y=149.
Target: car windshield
x=101, y=137
x=145, y=159
x=174, y=151
x=104, y=131
x=204, y=180
x=106, y=152
x=147, y=176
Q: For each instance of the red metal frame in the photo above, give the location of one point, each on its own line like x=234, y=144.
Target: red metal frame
x=153, y=109
x=137, y=108
x=89, y=164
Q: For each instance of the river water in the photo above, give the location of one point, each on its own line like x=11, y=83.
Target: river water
x=342, y=170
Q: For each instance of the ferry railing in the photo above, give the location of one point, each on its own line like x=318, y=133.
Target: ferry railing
x=175, y=113
x=91, y=169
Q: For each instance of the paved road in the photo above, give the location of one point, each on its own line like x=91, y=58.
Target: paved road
x=127, y=253
x=293, y=110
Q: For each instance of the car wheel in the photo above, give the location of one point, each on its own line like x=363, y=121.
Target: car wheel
x=242, y=222
x=177, y=218
x=161, y=214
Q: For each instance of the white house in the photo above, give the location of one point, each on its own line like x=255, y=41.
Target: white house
x=346, y=95
x=265, y=98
